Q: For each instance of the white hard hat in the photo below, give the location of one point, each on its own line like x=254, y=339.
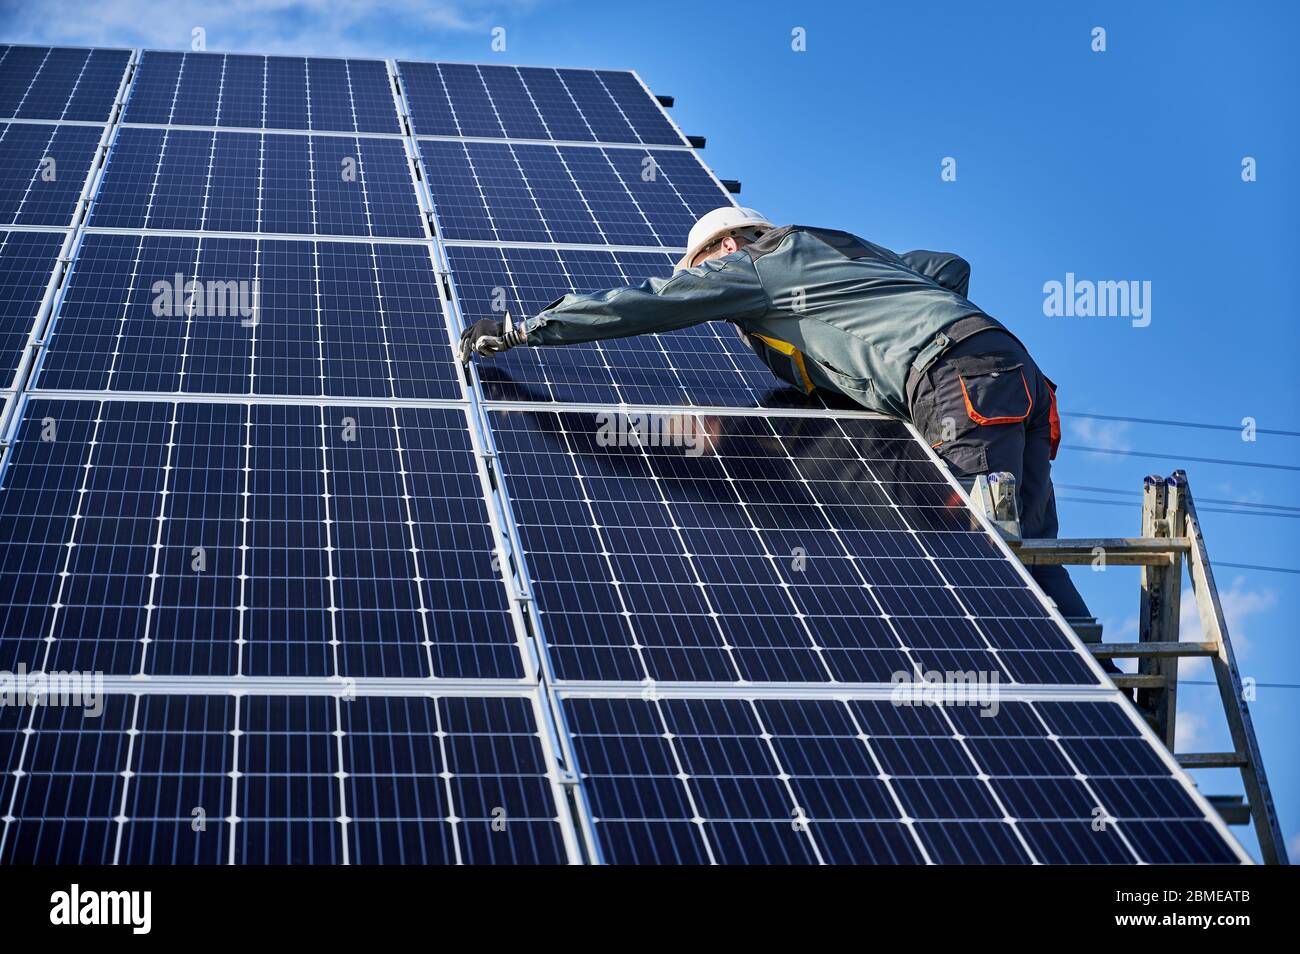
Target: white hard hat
x=717, y=224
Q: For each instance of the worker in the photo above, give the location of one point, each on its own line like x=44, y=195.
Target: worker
x=828, y=311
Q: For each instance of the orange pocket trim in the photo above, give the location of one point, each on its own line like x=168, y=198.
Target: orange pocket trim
x=1054, y=419
x=979, y=418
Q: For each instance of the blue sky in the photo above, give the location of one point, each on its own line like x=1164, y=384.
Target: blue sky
x=1117, y=165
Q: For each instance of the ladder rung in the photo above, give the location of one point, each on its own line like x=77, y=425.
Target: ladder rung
x=1234, y=814
x=1085, y=627
x=1153, y=649
x=1231, y=808
x=1117, y=551
x=1211, y=759
x=1138, y=681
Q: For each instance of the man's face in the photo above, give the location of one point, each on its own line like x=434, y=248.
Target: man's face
x=725, y=246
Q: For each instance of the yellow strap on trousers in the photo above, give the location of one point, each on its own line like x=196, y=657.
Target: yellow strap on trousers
x=795, y=356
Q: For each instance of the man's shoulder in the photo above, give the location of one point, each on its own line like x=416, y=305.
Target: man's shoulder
x=845, y=243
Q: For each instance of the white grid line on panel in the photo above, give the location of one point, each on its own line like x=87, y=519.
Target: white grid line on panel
x=563, y=246
x=53, y=122
x=578, y=143
x=233, y=817
x=265, y=236
x=212, y=397
x=122, y=819
x=246, y=495
x=161, y=520
x=342, y=778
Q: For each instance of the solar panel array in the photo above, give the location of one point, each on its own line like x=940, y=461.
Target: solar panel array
x=632, y=601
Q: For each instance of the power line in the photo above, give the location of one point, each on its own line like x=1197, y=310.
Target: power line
x=1258, y=685
x=1179, y=457
x=1238, y=512
x=1151, y=420
x=1217, y=563
x=1267, y=569
x=1216, y=500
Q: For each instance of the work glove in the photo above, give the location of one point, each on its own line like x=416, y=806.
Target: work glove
x=488, y=338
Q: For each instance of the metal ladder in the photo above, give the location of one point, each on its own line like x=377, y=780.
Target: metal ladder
x=1171, y=534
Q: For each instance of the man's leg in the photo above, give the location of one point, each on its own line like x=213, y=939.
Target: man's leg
x=1037, y=498
x=991, y=376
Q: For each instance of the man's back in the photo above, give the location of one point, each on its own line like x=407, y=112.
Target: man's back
x=859, y=313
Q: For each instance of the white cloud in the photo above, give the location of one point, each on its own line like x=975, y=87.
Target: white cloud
x=387, y=28
x=1125, y=631
x=1240, y=603
x=1108, y=435
x=1189, y=732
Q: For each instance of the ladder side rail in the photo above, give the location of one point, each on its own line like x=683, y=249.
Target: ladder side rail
x=1271, y=844
x=1159, y=589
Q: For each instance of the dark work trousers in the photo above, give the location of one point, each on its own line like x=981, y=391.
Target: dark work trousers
x=984, y=406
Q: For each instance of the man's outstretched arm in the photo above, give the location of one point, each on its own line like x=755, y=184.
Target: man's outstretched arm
x=727, y=287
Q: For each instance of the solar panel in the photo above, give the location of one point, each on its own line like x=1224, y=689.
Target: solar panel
x=518, y=192
x=462, y=99
x=272, y=779
x=762, y=550
x=262, y=92
x=631, y=601
x=41, y=82
x=738, y=780
x=217, y=539
x=27, y=261
x=181, y=179
x=43, y=171
x=340, y=319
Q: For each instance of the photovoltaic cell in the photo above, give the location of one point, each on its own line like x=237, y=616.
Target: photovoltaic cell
x=262, y=92
x=462, y=99
x=335, y=319
x=43, y=171
x=638, y=109
x=181, y=179
x=607, y=121
x=747, y=549
x=40, y=82
x=233, y=539
x=278, y=780
x=796, y=781
x=27, y=262
x=514, y=192
x=705, y=365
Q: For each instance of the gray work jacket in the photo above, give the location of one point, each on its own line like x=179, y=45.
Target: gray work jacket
x=821, y=308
